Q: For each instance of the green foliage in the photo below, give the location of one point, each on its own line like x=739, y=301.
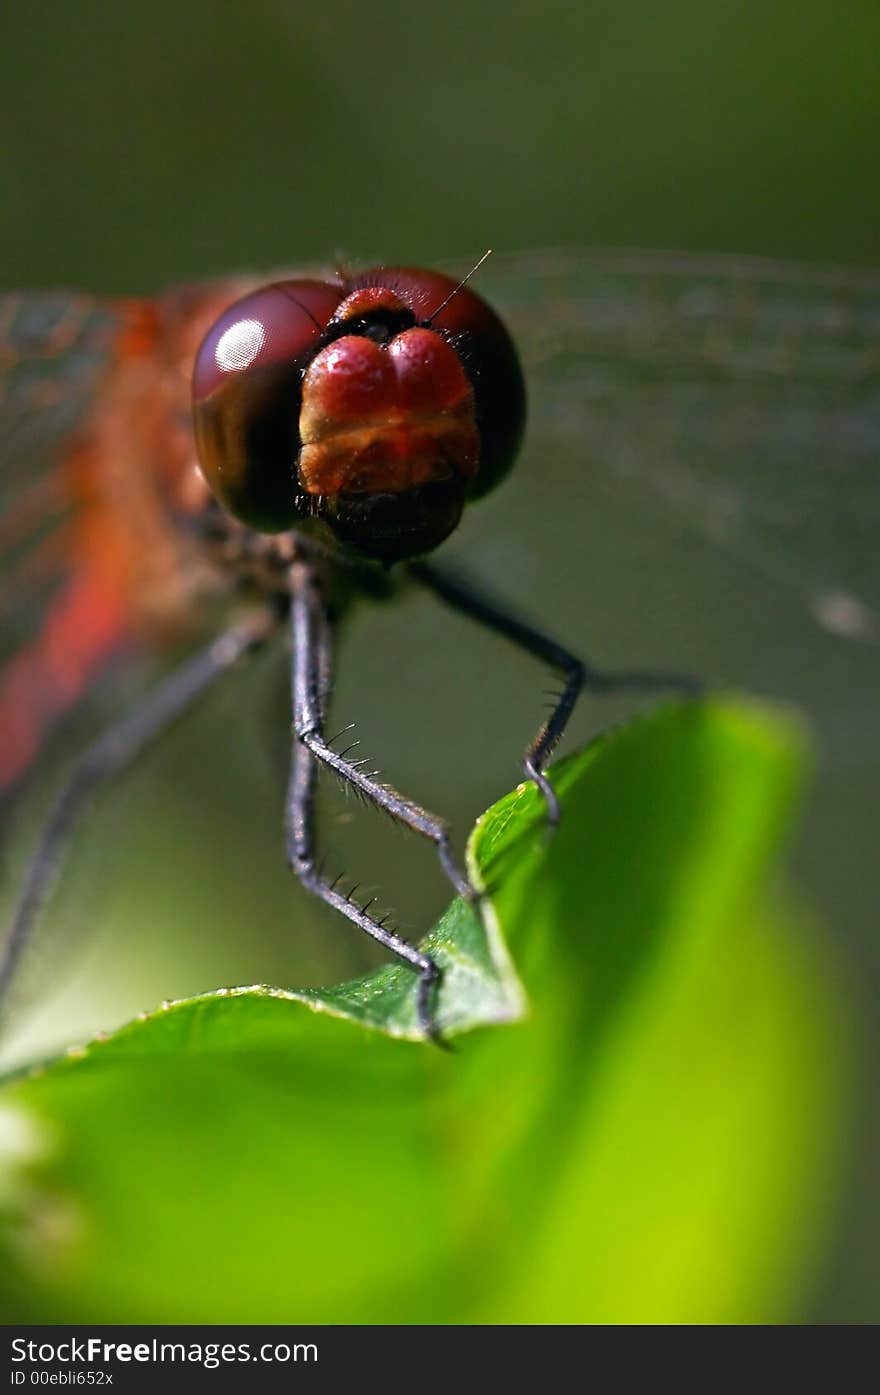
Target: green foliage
x=637, y=1122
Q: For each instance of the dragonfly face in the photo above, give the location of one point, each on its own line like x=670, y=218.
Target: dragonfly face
x=699, y=487
x=375, y=405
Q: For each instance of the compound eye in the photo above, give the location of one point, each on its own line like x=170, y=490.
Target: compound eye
x=247, y=387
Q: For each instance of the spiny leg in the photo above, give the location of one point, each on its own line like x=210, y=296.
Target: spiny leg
x=311, y=667
x=306, y=614
x=462, y=596
x=111, y=752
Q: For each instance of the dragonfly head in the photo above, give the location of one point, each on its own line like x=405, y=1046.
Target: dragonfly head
x=354, y=404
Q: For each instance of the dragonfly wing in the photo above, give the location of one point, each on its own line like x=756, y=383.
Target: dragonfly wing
x=702, y=452
x=741, y=395
x=59, y=623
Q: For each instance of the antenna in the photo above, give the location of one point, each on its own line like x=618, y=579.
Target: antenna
x=453, y=294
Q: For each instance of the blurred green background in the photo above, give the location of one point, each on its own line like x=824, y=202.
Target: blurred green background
x=146, y=145
x=148, y=142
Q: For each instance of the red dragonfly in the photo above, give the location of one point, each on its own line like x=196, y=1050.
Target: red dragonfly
x=734, y=401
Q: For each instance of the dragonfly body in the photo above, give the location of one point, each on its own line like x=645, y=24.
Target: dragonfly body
x=365, y=410
x=112, y=540
x=127, y=561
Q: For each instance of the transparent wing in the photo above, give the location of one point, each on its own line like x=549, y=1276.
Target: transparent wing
x=742, y=395
x=703, y=452
x=54, y=349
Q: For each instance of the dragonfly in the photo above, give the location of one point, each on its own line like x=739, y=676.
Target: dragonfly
x=727, y=404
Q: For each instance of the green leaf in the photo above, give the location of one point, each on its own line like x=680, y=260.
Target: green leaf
x=645, y=1127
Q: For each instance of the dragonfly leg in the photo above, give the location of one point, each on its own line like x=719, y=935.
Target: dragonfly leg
x=312, y=651
x=576, y=674
x=114, y=749
x=307, y=618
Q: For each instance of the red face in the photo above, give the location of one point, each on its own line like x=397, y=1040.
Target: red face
x=358, y=404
